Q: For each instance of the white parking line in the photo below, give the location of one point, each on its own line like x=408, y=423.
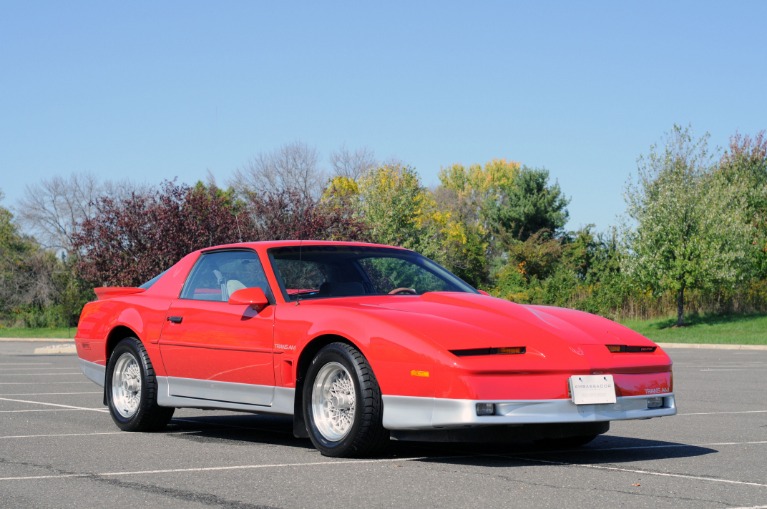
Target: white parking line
x=664, y=446
x=42, y=374
x=5, y=370
x=26, y=364
x=51, y=393
x=642, y=472
x=396, y=460
x=59, y=435
x=55, y=404
x=30, y=410
x=727, y=413
x=45, y=383
x=226, y=468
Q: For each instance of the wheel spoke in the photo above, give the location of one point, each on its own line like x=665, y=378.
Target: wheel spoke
x=334, y=401
x=126, y=385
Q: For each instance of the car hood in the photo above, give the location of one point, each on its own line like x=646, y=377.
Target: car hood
x=464, y=320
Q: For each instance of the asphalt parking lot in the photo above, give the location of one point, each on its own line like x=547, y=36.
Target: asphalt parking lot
x=59, y=448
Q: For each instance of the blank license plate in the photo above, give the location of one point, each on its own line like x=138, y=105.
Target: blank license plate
x=592, y=389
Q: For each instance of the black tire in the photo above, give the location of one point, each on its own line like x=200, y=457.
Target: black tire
x=342, y=404
x=131, y=389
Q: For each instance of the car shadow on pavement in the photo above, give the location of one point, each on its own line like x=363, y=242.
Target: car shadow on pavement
x=250, y=429
x=605, y=449
x=237, y=429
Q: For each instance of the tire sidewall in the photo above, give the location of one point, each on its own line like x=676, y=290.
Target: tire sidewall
x=130, y=346
x=333, y=353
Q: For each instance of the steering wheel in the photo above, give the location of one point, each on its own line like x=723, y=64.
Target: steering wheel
x=403, y=291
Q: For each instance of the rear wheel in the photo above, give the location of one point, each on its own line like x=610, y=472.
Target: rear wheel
x=131, y=389
x=342, y=403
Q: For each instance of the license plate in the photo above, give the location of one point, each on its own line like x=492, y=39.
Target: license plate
x=592, y=389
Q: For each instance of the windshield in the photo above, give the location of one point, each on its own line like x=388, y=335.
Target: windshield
x=343, y=271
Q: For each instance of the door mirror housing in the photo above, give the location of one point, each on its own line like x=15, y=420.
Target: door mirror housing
x=253, y=297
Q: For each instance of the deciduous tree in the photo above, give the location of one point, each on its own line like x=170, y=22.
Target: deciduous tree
x=690, y=228
x=293, y=167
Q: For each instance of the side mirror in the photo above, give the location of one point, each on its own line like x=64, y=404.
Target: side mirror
x=253, y=297
x=483, y=292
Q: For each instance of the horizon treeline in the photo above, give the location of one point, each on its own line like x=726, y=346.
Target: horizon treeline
x=694, y=240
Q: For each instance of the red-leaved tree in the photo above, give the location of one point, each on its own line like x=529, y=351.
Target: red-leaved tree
x=132, y=239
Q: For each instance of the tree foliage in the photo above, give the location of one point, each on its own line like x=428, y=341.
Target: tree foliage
x=289, y=215
x=691, y=232
x=32, y=286
x=697, y=238
x=391, y=201
x=131, y=239
x=744, y=167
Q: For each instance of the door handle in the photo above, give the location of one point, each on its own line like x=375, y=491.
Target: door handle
x=175, y=319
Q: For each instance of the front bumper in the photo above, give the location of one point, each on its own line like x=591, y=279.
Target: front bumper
x=415, y=413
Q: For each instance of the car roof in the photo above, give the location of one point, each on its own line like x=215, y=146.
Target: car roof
x=266, y=244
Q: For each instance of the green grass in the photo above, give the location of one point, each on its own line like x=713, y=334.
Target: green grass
x=22, y=332
x=715, y=329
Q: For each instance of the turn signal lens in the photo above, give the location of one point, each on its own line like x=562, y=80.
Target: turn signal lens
x=630, y=349
x=510, y=350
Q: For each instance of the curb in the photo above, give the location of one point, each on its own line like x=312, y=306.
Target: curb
x=60, y=349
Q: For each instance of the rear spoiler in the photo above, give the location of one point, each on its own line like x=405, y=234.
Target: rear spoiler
x=107, y=292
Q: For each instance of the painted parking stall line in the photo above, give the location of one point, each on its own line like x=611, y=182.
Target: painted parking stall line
x=53, y=393
x=642, y=472
x=328, y=463
x=54, y=405
x=79, y=373
x=739, y=412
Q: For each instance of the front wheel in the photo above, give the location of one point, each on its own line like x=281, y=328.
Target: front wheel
x=131, y=389
x=342, y=403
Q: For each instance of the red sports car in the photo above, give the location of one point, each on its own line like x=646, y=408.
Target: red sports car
x=361, y=343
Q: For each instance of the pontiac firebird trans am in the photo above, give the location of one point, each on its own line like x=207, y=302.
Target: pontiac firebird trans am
x=361, y=343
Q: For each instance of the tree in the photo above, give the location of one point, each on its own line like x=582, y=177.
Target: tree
x=744, y=166
x=29, y=277
x=491, y=210
x=131, y=239
x=690, y=229
x=288, y=215
x=52, y=209
x=293, y=167
x=354, y=164
x=528, y=206
x=391, y=201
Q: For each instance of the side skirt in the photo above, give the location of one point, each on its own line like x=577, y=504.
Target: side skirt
x=219, y=394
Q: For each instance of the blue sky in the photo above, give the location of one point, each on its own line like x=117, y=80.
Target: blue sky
x=157, y=90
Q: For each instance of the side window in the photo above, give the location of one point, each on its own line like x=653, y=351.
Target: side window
x=301, y=277
x=217, y=275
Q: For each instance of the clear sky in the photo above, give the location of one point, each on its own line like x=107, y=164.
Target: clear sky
x=153, y=90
